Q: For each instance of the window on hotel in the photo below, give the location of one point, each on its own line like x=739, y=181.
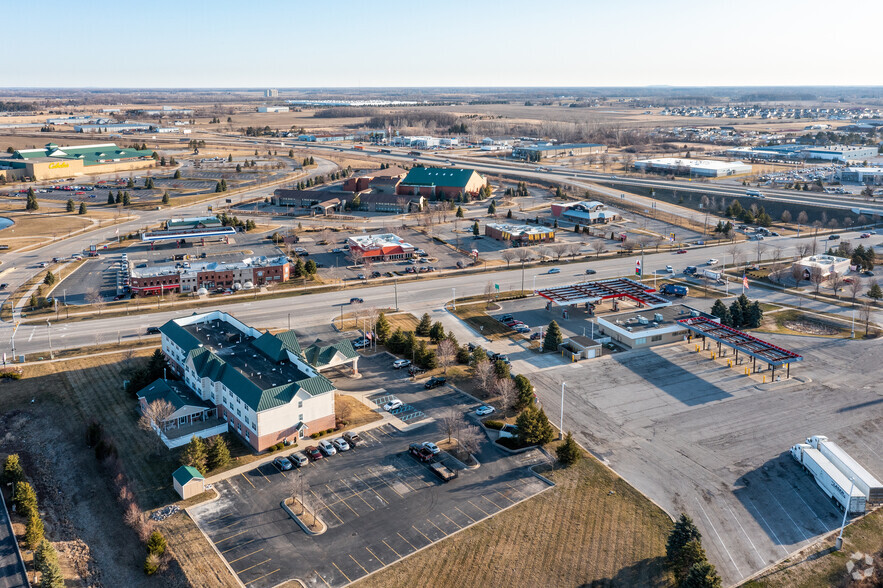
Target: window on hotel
x=300, y=403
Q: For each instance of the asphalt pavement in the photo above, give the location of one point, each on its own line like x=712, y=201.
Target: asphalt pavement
x=12, y=568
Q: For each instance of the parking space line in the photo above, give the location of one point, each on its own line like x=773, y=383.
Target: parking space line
x=370, y=487
x=358, y=564
x=219, y=519
x=341, y=571
x=421, y=532
x=247, y=480
x=479, y=508
x=492, y=502
x=724, y=545
x=375, y=555
x=262, y=577
x=228, y=526
x=367, y=434
x=233, y=488
x=387, y=483
x=262, y=474
x=230, y=537
x=254, y=566
x=359, y=494
x=339, y=499
x=238, y=546
x=326, y=507
x=452, y=520
x=776, y=537
x=321, y=578
x=464, y=514
x=244, y=556
x=762, y=561
x=522, y=492
x=821, y=522
x=437, y=527
x=504, y=496
x=399, y=555
x=406, y=541
x=805, y=538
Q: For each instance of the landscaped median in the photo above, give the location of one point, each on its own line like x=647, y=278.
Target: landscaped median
x=304, y=517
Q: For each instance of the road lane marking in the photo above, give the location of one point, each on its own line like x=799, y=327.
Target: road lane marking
x=230, y=537
x=254, y=566
x=375, y=555
x=358, y=564
x=391, y=549
x=724, y=545
x=240, y=545
x=406, y=541
x=244, y=556
x=341, y=571
x=464, y=514
x=421, y=532
x=321, y=578
x=264, y=576
x=246, y=479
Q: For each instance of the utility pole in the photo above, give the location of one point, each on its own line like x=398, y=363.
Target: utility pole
x=289, y=321
x=454, y=302
x=522, y=276
x=838, y=545
x=49, y=328
x=395, y=285
x=561, y=428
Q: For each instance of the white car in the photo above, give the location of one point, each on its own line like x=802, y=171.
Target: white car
x=432, y=447
x=392, y=405
x=400, y=363
x=484, y=410
x=712, y=261
x=326, y=447
x=669, y=269
x=341, y=445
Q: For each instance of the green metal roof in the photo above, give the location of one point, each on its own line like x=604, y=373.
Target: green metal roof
x=319, y=355
x=179, y=335
x=275, y=346
x=89, y=154
x=175, y=393
x=186, y=473
x=437, y=176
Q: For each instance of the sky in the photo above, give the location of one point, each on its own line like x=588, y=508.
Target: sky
x=393, y=43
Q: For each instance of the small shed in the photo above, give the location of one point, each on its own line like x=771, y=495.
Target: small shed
x=579, y=347
x=188, y=482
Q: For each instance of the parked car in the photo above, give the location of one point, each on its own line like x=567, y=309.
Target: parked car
x=509, y=431
x=434, y=382
x=864, y=235
x=393, y=404
x=535, y=336
x=834, y=238
x=712, y=261
x=590, y=272
x=313, y=453
x=420, y=452
x=352, y=438
x=282, y=463
x=357, y=300
x=506, y=317
x=522, y=329
x=3, y=286
x=554, y=270
x=432, y=447
x=341, y=444
x=868, y=273
x=360, y=277
x=326, y=447
x=413, y=370
x=360, y=343
x=153, y=330
x=400, y=363
x=484, y=410
x=299, y=459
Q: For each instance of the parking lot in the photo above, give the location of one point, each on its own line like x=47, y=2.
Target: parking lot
x=703, y=439
x=378, y=502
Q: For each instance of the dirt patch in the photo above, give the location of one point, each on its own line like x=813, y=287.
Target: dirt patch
x=352, y=411
x=810, y=327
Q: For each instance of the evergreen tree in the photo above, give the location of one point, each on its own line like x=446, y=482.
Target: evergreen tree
x=238, y=168
x=127, y=200
x=31, y=204
x=875, y=293
x=691, y=553
x=310, y=267
x=110, y=199
x=424, y=326
x=501, y=369
x=534, y=427
x=475, y=228
x=409, y=346
x=34, y=531
x=460, y=212
x=492, y=209
x=217, y=187
x=130, y=184
x=755, y=315
x=298, y=270
x=162, y=161
x=436, y=332
x=70, y=205
x=702, y=575
x=165, y=197
x=177, y=174
x=12, y=470
x=682, y=533
x=223, y=185
x=195, y=455
x=524, y=391
x=46, y=561
x=25, y=499
x=509, y=213
x=553, y=337
x=736, y=316
x=382, y=328
x=576, y=228
x=569, y=452
x=49, y=279
x=230, y=158
x=172, y=161
x=156, y=544
x=218, y=453
x=83, y=209
x=478, y=356
x=119, y=197
x=311, y=160
x=395, y=343
x=719, y=309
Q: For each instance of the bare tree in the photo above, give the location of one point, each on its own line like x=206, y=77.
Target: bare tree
x=505, y=387
x=356, y=256
x=803, y=248
x=508, y=255
x=470, y=438
x=835, y=281
x=797, y=274
x=483, y=373
x=489, y=292
x=325, y=235
x=864, y=313
x=446, y=352
x=558, y=249
x=523, y=254
x=802, y=217
x=93, y=297
x=734, y=251
x=450, y=423
x=573, y=249
x=855, y=288
x=760, y=248
x=155, y=414
x=598, y=247
x=544, y=251
x=627, y=246
x=816, y=278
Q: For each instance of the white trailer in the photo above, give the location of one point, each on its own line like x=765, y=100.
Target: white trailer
x=829, y=478
x=867, y=483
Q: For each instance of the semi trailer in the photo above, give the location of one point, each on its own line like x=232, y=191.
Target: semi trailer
x=867, y=483
x=829, y=478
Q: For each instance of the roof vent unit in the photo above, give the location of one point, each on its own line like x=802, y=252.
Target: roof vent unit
x=658, y=317
x=629, y=329
x=643, y=320
x=694, y=313
x=654, y=324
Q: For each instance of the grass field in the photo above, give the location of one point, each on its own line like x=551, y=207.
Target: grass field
x=819, y=566
x=475, y=315
x=49, y=224
x=591, y=529
x=198, y=561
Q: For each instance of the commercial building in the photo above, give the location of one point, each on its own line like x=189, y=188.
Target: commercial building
x=386, y=247
x=441, y=183
x=649, y=327
x=167, y=110
x=585, y=212
x=187, y=277
x=113, y=127
x=53, y=162
x=540, y=151
x=271, y=93
x=381, y=179
x=76, y=120
x=862, y=175
x=822, y=265
x=840, y=153
x=519, y=234
x=181, y=229
x=706, y=168
x=261, y=384
x=273, y=109
x=191, y=415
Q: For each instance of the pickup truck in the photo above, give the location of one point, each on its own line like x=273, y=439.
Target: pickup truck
x=420, y=452
x=444, y=473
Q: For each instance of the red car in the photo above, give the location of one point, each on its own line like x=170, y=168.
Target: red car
x=682, y=251
x=313, y=453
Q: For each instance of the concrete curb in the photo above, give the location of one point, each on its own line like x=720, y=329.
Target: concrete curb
x=21, y=559
x=215, y=549
x=540, y=476
x=301, y=524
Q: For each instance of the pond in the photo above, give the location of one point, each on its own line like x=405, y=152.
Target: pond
x=5, y=222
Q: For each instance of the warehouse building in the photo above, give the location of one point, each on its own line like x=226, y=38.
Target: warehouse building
x=262, y=385
x=862, y=175
x=841, y=153
x=540, y=151
x=441, y=184
x=386, y=247
x=273, y=109
x=54, y=162
x=649, y=327
x=519, y=234
x=113, y=128
x=585, y=213
x=705, y=168
x=823, y=265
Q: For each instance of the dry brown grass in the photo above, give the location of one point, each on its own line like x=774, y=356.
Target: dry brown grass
x=41, y=227
x=592, y=528
x=198, y=561
x=354, y=412
x=476, y=317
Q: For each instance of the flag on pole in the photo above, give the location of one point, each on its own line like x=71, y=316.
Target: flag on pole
x=117, y=231
x=745, y=281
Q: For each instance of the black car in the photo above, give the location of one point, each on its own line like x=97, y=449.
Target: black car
x=590, y=271
x=3, y=286
x=356, y=301
x=434, y=382
x=153, y=330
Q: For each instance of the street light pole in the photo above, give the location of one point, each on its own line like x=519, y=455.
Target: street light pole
x=839, y=543
x=561, y=428
x=49, y=328
x=454, y=302
x=853, y=323
x=395, y=285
